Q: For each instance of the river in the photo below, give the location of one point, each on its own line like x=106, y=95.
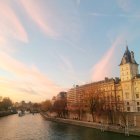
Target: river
x=34, y=127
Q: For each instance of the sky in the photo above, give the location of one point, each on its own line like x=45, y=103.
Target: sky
x=47, y=46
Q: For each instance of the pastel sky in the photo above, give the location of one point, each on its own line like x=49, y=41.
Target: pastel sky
x=47, y=46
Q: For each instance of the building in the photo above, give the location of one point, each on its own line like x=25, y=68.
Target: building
x=121, y=94
x=61, y=95
x=79, y=96
x=130, y=82
x=53, y=100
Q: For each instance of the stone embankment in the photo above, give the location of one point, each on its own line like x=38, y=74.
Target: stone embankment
x=103, y=127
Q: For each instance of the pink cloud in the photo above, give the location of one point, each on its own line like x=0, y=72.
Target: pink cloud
x=19, y=89
x=51, y=19
x=28, y=79
x=33, y=9
x=10, y=24
x=104, y=66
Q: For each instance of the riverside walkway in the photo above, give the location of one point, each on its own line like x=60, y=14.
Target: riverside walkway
x=103, y=127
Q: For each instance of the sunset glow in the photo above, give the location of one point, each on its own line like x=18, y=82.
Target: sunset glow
x=49, y=46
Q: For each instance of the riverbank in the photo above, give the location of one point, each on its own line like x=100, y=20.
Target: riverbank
x=103, y=127
x=6, y=113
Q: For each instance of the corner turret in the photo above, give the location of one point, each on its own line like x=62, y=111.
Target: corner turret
x=128, y=66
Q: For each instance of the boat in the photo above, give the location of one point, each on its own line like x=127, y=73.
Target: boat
x=21, y=113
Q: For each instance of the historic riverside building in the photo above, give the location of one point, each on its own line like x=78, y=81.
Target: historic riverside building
x=122, y=93
x=130, y=82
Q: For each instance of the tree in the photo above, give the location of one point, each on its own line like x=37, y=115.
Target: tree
x=0, y=98
x=96, y=104
x=92, y=106
x=6, y=103
x=60, y=107
x=36, y=107
x=46, y=105
x=124, y=115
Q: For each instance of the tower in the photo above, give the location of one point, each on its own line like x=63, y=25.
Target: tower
x=128, y=70
x=128, y=66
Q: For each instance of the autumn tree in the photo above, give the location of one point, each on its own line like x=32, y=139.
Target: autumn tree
x=46, y=105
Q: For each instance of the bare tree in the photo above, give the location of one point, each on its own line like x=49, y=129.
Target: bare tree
x=45, y=106
x=96, y=104
x=60, y=107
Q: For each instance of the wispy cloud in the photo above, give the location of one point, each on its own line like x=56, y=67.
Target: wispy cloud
x=66, y=65
x=125, y=5
x=104, y=66
x=111, y=15
x=10, y=25
x=24, y=80
x=52, y=20
x=17, y=90
x=34, y=11
x=129, y=16
x=28, y=79
x=78, y=2
x=99, y=14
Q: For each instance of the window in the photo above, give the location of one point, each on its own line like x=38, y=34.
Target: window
x=137, y=95
x=128, y=108
x=127, y=103
x=138, y=103
x=126, y=87
x=138, y=108
x=127, y=95
x=118, y=98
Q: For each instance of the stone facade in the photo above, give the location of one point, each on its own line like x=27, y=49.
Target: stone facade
x=78, y=97
x=130, y=82
x=122, y=94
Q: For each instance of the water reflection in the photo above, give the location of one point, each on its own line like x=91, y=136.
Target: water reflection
x=34, y=127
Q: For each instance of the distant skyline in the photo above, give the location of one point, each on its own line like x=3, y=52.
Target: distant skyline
x=47, y=46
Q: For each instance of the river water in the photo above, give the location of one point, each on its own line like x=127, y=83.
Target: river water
x=34, y=127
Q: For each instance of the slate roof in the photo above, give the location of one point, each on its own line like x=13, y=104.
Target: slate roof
x=128, y=57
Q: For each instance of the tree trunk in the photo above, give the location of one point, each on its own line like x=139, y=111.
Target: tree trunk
x=93, y=118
